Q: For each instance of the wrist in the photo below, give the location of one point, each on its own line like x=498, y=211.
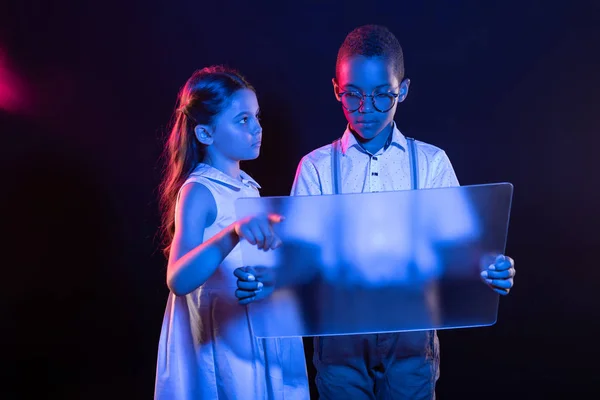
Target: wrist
x=228, y=241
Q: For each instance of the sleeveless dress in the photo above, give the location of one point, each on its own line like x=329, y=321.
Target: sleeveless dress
x=207, y=349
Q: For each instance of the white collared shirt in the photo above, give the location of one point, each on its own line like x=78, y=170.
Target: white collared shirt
x=386, y=170
x=360, y=171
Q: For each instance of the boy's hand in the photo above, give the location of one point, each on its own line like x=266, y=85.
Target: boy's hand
x=499, y=276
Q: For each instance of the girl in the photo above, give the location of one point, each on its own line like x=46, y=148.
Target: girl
x=207, y=349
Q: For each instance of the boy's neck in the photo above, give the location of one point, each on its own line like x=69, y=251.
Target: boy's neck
x=375, y=144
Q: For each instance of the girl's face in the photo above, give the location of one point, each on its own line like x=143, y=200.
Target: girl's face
x=236, y=133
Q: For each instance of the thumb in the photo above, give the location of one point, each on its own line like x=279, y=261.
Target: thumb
x=251, y=271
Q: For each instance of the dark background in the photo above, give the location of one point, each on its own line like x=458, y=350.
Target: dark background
x=509, y=90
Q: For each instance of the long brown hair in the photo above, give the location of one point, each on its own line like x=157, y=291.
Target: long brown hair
x=203, y=97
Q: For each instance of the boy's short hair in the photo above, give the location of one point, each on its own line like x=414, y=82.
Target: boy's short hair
x=372, y=41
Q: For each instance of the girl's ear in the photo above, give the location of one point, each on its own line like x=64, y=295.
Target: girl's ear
x=203, y=134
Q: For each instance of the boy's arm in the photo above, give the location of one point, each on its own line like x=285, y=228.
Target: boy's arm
x=443, y=172
x=306, y=182
x=456, y=221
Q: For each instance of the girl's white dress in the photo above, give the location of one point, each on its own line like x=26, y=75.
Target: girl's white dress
x=207, y=349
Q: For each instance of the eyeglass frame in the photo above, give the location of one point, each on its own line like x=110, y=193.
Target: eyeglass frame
x=372, y=96
x=403, y=81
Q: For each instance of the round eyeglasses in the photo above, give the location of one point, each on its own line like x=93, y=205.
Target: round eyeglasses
x=383, y=102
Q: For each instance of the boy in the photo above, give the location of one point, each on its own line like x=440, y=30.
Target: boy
x=372, y=156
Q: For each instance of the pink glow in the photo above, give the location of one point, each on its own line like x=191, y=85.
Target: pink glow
x=13, y=96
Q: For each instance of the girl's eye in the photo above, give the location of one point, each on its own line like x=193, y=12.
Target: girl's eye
x=244, y=120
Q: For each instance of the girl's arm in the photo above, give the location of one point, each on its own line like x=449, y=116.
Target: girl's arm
x=192, y=261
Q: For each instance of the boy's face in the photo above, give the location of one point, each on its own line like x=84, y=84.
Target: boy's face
x=372, y=76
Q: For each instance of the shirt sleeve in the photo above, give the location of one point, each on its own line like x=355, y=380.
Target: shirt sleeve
x=306, y=182
x=456, y=221
x=443, y=172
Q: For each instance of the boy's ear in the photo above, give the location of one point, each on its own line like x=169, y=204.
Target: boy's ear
x=336, y=89
x=203, y=134
x=404, y=85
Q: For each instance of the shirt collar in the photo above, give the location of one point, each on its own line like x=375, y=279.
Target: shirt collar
x=218, y=176
x=396, y=138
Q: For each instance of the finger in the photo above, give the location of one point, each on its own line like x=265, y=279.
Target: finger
x=502, y=292
x=276, y=242
x=275, y=218
x=500, y=283
x=502, y=263
x=245, y=274
x=502, y=257
x=243, y=285
x=247, y=300
x=258, y=235
x=494, y=274
x=268, y=240
x=267, y=231
x=246, y=233
x=511, y=261
x=244, y=294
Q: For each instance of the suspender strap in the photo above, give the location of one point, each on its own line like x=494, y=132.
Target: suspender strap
x=335, y=166
x=414, y=164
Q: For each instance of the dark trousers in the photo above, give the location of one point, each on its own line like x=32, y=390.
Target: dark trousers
x=386, y=366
